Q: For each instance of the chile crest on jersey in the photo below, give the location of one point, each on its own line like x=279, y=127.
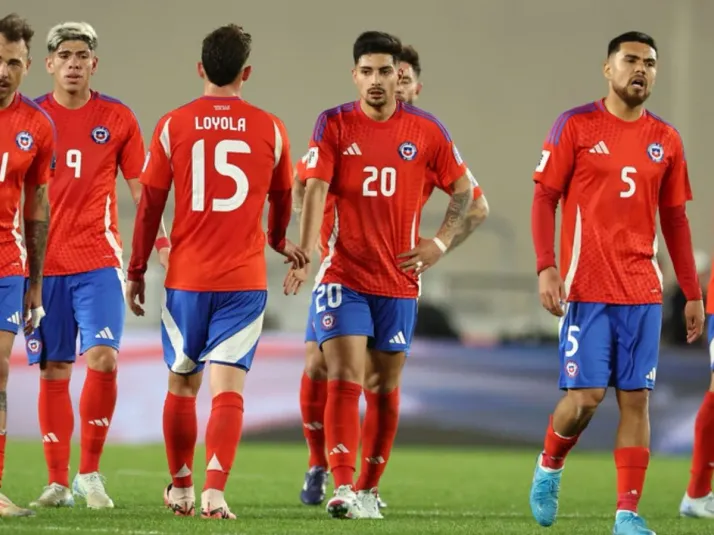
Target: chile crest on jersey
x=24, y=141
x=656, y=152
x=100, y=135
x=407, y=151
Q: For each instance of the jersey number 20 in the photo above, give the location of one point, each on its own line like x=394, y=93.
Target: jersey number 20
x=222, y=167
x=379, y=181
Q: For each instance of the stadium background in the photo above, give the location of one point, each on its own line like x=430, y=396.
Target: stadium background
x=497, y=74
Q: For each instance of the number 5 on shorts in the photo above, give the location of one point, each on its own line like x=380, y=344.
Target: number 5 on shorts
x=572, y=341
x=328, y=296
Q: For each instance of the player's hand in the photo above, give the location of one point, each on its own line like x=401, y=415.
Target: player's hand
x=294, y=255
x=422, y=257
x=294, y=280
x=552, y=291
x=164, y=257
x=694, y=315
x=135, y=296
x=32, y=312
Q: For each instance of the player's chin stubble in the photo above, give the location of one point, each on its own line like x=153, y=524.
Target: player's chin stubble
x=632, y=99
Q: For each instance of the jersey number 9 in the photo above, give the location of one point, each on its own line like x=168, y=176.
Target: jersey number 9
x=73, y=160
x=386, y=178
x=222, y=167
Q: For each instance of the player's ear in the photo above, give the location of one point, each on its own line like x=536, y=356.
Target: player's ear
x=245, y=73
x=607, y=69
x=418, y=88
x=201, y=72
x=354, y=75
x=95, y=62
x=48, y=65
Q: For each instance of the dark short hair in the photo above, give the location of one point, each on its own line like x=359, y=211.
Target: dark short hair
x=411, y=56
x=15, y=29
x=630, y=37
x=224, y=54
x=374, y=42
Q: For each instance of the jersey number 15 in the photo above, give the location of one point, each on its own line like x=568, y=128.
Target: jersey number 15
x=221, y=166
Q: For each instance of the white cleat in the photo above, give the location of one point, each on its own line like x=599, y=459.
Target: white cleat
x=8, y=509
x=54, y=495
x=369, y=504
x=90, y=487
x=213, y=505
x=697, y=507
x=344, y=504
x=182, y=501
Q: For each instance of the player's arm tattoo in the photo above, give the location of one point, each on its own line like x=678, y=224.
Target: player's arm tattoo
x=457, y=211
x=477, y=215
x=36, y=228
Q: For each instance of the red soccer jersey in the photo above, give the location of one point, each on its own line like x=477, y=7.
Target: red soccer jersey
x=223, y=156
x=376, y=171
x=613, y=176
x=27, y=145
x=93, y=143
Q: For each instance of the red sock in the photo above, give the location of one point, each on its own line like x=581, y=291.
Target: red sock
x=96, y=408
x=180, y=434
x=379, y=430
x=631, y=466
x=56, y=425
x=342, y=429
x=313, y=398
x=222, y=436
x=700, y=483
x=3, y=439
x=556, y=448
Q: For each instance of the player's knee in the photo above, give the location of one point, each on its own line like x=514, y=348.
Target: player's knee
x=226, y=378
x=185, y=385
x=634, y=402
x=587, y=400
x=101, y=358
x=315, y=364
x=57, y=371
x=384, y=371
x=345, y=357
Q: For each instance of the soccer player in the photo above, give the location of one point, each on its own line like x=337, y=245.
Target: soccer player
x=372, y=155
x=614, y=164
x=83, y=292
x=313, y=385
x=698, y=500
x=223, y=156
x=27, y=144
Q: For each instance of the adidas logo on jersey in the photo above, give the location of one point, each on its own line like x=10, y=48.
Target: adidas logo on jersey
x=600, y=148
x=353, y=150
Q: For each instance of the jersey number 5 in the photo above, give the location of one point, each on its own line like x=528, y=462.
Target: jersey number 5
x=222, y=167
x=626, y=177
x=387, y=178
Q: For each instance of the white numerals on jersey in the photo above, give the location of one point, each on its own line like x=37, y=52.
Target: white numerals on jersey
x=3, y=165
x=331, y=293
x=387, y=178
x=626, y=177
x=73, y=159
x=573, y=341
x=222, y=167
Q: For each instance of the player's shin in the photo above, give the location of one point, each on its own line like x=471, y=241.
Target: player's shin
x=379, y=430
x=313, y=399
x=180, y=425
x=632, y=454
x=56, y=417
x=700, y=482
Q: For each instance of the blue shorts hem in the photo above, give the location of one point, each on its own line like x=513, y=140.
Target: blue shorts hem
x=114, y=344
x=341, y=335
x=31, y=361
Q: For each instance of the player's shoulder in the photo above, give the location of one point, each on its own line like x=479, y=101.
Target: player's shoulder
x=667, y=128
x=35, y=113
x=425, y=120
x=574, y=118
x=113, y=104
x=333, y=116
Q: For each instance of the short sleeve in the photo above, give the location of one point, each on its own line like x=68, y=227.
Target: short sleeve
x=157, y=165
x=322, y=153
x=676, y=189
x=131, y=157
x=478, y=192
x=446, y=163
x=557, y=158
x=43, y=166
x=283, y=171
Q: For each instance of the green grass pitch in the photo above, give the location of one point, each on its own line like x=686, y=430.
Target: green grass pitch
x=435, y=491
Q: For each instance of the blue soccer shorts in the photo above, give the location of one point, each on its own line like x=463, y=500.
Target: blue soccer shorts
x=216, y=327
x=310, y=334
x=339, y=311
x=90, y=304
x=710, y=336
x=609, y=345
x=11, y=303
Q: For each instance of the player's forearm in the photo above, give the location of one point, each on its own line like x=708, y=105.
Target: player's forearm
x=146, y=228
x=37, y=221
x=477, y=214
x=135, y=188
x=457, y=211
x=312, y=213
x=278, y=218
x=545, y=204
x=298, y=194
x=678, y=237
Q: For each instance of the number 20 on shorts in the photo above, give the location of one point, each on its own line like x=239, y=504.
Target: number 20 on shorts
x=328, y=296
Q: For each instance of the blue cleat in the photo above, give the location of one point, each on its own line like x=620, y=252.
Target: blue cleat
x=315, y=486
x=544, y=494
x=629, y=523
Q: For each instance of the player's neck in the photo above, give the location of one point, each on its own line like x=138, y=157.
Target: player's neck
x=72, y=101
x=227, y=91
x=616, y=106
x=379, y=114
x=5, y=102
